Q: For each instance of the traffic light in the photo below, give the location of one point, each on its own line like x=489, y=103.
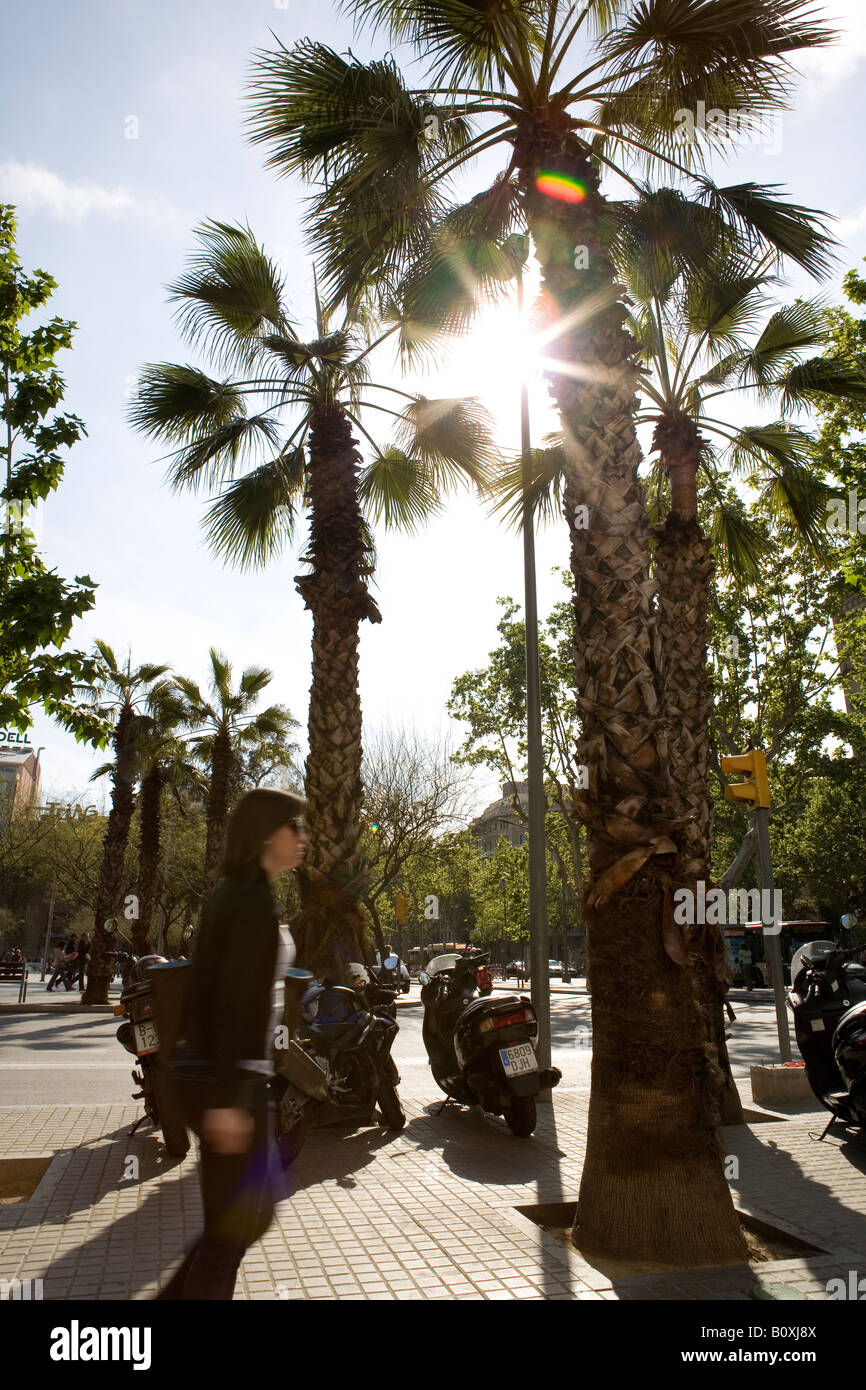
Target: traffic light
x=401, y=909
x=755, y=788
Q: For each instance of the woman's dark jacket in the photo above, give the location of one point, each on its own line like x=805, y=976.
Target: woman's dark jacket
x=230, y=996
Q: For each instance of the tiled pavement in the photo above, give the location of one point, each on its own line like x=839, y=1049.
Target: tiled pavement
x=426, y=1214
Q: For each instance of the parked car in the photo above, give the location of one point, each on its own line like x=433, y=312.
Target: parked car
x=554, y=969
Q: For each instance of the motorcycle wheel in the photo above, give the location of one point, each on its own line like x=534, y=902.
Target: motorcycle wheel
x=521, y=1117
x=291, y=1141
x=167, y=1112
x=389, y=1104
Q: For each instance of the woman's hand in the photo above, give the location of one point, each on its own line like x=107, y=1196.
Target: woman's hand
x=227, y=1131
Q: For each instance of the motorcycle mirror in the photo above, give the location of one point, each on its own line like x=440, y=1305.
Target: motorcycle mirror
x=391, y=962
x=423, y=977
x=849, y=920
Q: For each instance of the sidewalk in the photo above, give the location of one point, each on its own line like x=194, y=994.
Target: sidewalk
x=432, y=1213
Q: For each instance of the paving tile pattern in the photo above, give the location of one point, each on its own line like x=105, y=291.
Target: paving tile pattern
x=428, y=1214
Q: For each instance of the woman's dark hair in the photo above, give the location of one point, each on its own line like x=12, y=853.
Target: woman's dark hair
x=255, y=818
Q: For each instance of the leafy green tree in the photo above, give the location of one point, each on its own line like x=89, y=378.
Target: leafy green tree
x=37, y=606
x=567, y=105
x=311, y=397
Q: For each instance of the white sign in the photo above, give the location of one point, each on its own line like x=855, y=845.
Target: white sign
x=13, y=736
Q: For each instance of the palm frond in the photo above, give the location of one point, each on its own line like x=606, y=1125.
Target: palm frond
x=764, y=222
x=179, y=402
x=256, y=516
x=545, y=491
x=452, y=437
x=213, y=457
x=739, y=545
x=823, y=376
x=230, y=296
x=396, y=490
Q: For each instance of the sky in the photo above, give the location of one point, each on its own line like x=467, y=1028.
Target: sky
x=122, y=131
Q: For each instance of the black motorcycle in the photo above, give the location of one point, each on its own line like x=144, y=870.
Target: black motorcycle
x=828, y=999
x=480, y=1048
x=140, y=1036
x=339, y=1067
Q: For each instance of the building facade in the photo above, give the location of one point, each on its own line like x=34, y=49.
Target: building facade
x=20, y=773
x=500, y=818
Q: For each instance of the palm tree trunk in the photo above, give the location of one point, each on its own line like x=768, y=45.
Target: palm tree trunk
x=148, y=869
x=684, y=567
x=109, y=896
x=652, y=1183
x=331, y=929
x=217, y=807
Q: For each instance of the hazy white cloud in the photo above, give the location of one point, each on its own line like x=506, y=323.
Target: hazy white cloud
x=35, y=189
x=826, y=67
x=848, y=227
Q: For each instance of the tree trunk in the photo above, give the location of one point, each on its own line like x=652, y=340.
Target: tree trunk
x=653, y=1174
x=109, y=898
x=331, y=929
x=684, y=569
x=217, y=807
x=148, y=863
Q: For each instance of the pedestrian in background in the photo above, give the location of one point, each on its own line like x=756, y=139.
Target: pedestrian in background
x=224, y=1065
x=82, y=962
x=68, y=953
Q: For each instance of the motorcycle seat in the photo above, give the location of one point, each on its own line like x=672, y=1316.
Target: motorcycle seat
x=333, y=1030
x=503, y=1004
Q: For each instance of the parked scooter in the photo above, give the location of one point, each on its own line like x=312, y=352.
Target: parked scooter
x=480, y=1049
x=140, y=1036
x=340, y=1066
x=828, y=999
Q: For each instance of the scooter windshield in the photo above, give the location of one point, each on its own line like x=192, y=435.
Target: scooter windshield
x=439, y=963
x=811, y=953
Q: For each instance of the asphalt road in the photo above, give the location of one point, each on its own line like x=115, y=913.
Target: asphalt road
x=75, y=1059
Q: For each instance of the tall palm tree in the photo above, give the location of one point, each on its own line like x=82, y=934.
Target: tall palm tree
x=164, y=763
x=232, y=303
x=703, y=337
x=222, y=723
x=567, y=107
x=119, y=696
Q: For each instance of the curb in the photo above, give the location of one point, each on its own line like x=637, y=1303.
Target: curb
x=53, y=1008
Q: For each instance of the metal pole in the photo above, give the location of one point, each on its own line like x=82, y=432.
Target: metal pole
x=538, y=930
x=772, y=944
x=47, y=945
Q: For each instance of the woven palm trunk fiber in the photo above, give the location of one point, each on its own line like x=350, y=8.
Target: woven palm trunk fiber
x=331, y=928
x=684, y=568
x=652, y=1186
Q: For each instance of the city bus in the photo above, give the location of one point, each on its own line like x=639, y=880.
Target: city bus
x=745, y=948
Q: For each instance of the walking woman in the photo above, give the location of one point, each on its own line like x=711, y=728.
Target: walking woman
x=224, y=1065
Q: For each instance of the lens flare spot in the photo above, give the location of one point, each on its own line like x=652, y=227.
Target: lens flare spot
x=560, y=186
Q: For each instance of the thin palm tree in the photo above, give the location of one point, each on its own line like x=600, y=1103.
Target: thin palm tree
x=568, y=106
x=119, y=696
x=313, y=398
x=223, y=722
x=165, y=763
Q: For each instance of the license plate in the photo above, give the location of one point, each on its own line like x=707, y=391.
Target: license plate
x=146, y=1037
x=518, y=1059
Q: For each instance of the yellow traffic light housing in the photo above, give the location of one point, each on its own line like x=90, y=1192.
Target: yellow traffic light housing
x=401, y=909
x=755, y=788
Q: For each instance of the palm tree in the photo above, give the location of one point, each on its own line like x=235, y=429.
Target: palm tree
x=567, y=111
x=700, y=341
x=222, y=724
x=164, y=762
x=119, y=696
x=232, y=302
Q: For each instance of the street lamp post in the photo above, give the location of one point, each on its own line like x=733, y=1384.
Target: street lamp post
x=538, y=927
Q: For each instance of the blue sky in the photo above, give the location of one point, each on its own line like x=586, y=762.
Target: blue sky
x=122, y=131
